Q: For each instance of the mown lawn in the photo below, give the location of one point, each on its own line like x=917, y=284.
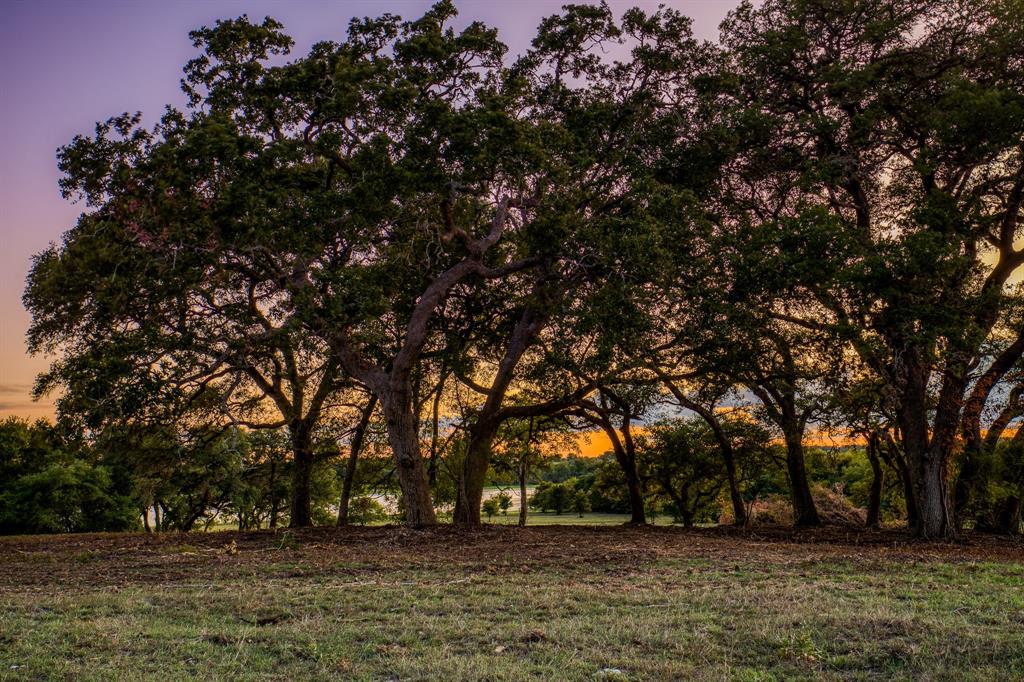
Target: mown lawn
x=509, y=604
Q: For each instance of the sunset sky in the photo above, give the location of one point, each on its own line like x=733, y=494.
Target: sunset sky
x=66, y=65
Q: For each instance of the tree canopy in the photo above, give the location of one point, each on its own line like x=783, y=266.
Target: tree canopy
x=410, y=242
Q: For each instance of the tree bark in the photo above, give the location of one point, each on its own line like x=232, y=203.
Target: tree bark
x=780, y=402
x=934, y=517
x=686, y=513
x=968, y=479
x=739, y=510
x=909, y=497
x=353, y=458
x=435, y=420
x=637, y=513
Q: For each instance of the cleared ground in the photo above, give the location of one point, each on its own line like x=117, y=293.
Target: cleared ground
x=570, y=519
x=503, y=603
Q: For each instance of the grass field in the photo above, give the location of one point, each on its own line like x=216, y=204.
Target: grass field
x=556, y=602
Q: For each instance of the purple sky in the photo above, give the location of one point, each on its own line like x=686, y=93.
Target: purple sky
x=66, y=65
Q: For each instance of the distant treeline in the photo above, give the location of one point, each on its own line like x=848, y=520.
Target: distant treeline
x=53, y=482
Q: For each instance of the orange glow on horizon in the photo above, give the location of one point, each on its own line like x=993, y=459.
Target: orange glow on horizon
x=596, y=443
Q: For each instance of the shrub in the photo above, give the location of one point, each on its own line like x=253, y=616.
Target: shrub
x=580, y=503
x=364, y=510
x=771, y=510
x=555, y=496
x=835, y=508
x=66, y=498
x=490, y=507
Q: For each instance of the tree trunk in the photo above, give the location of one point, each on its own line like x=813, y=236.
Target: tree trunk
x=926, y=462
x=739, y=510
x=274, y=502
x=522, y=489
x=412, y=474
x=478, y=451
x=934, y=518
x=686, y=513
x=638, y=514
x=474, y=472
x=301, y=503
x=804, y=512
x=1009, y=516
x=145, y=519
x=894, y=457
x=971, y=478
x=909, y=497
x=782, y=409
x=435, y=433
x=625, y=454
x=967, y=481
x=353, y=458
x=875, y=495
x=302, y=475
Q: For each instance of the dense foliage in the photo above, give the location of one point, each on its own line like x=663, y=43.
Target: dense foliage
x=52, y=484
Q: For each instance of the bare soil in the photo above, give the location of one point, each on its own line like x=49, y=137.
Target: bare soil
x=89, y=561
